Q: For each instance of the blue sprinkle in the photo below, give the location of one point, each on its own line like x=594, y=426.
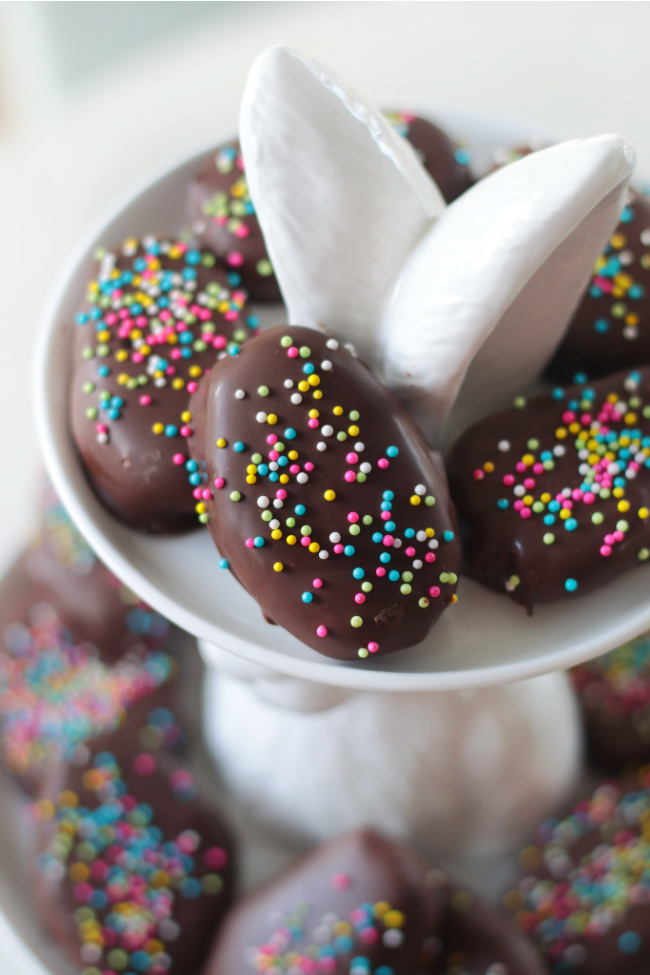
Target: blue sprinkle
x=274, y=476
x=191, y=466
x=252, y=321
x=503, y=503
x=103, y=371
x=188, y=274
x=190, y=888
x=627, y=215
x=114, y=414
x=554, y=505
x=138, y=621
x=239, y=446
x=193, y=257
x=308, y=368
x=570, y=585
x=392, y=451
x=307, y=597
x=282, y=461
x=377, y=536
x=388, y=495
x=629, y=942
x=223, y=563
x=393, y=575
x=81, y=318
x=258, y=541
x=300, y=509
x=358, y=573
x=558, y=393
x=409, y=532
x=549, y=519
x=233, y=349
x=262, y=469
x=195, y=479
x=290, y=433
x=116, y=402
x=171, y=430
x=448, y=536
x=349, y=550
x=234, y=279
x=386, y=506
x=570, y=524
x=389, y=526
x=601, y=325
x=384, y=557
x=462, y=156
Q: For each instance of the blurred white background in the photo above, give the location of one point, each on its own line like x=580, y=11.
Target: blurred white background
x=92, y=94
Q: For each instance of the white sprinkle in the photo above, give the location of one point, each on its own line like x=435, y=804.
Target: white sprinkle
x=365, y=468
x=288, y=384
x=335, y=537
x=239, y=394
x=630, y=474
x=503, y=445
x=645, y=237
x=296, y=398
x=273, y=465
x=420, y=489
x=263, y=502
x=273, y=524
x=566, y=492
x=159, y=383
x=433, y=543
x=321, y=445
x=326, y=365
x=359, y=447
x=397, y=543
x=332, y=344
x=261, y=417
x=302, y=478
x=421, y=536
x=327, y=430
x=630, y=332
x=102, y=438
x=417, y=563
x=277, y=503
x=519, y=491
x=583, y=454
x=323, y=554
x=351, y=349
x=559, y=451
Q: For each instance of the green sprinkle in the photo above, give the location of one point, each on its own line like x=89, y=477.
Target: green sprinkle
x=263, y=390
x=354, y=415
x=548, y=538
x=356, y=621
x=286, y=341
x=598, y=517
x=235, y=496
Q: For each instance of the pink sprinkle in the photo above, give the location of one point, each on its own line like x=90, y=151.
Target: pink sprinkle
x=479, y=474
x=186, y=431
x=250, y=543
x=294, y=469
x=525, y=513
x=520, y=466
x=518, y=505
x=215, y=857
x=271, y=439
x=313, y=423
x=242, y=231
x=340, y=881
x=368, y=935
x=196, y=493
x=605, y=550
x=380, y=571
x=429, y=557
x=235, y=259
x=281, y=494
x=219, y=482
x=144, y=764
x=321, y=630
x=577, y=494
x=219, y=342
x=586, y=419
x=231, y=315
x=538, y=468
x=145, y=400
x=373, y=647
x=618, y=536
x=309, y=466
x=352, y=458
x=529, y=483
x=388, y=540
x=192, y=387
x=111, y=318
x=509, y=479
x=176, y=354
x=434, y=591
x=385, y=516
x=566, y=504
x=292, y=352
x=273, y=455
x=101, y=428
x=317, y=583
x=568, y=416
x=589, y=498
x=206, y=494
x=338, y=548
x=410, y=551
x=609, y=539
x=359, y=598
x=305, y=540
x=351, y=476
x=137, y=357
x=178, y=459
x=353, y=517
x=383, y=463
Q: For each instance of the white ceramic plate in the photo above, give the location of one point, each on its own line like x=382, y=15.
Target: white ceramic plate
x=484, y=639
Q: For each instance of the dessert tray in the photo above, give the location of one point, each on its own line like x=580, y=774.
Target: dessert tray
x=484, y=640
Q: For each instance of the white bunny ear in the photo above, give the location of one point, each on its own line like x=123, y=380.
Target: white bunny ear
x=486, y=296
x=341, y=198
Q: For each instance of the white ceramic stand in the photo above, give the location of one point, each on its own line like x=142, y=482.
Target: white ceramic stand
x=463, y=775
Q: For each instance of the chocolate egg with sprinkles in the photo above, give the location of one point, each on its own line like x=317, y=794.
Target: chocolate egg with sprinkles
x=554, y=494
x=134, y=868
x=327, y=503
x=611, y=328
x=360, y=904
x=584, y=893
x=157, y=314
x=445, y=161
x=223, y=218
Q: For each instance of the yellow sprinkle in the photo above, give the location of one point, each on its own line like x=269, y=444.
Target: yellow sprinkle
x=353, y=430
x=186, y=416
x=178, y=383
x=564, y=514
x=272, y=419
x=429, y=532
x=337, y=410
x=172, y=339
x=380, y=908
x=617, y=241
x=560, y=433
x=284, y=478
x=630, y=418
x=158, y=428
x=618, y=492
x=528, y=500
x=221, y=442
x=632, y=319
x=291, y=539
x=545, y=498
x=329, y=495
x=69, y=799
x=314, y=547
x=251, y=479
x=278, y=567
x=314, y=380
x=488, y=467
x=454, y=599
x=574, y=428
x=612, y=398
x=314, y=414
x=145, y=349
x=195, y=371
x=276, y=534
x=414, y=499
x=251, y=469
x=135, y=333
x=78, y=873
x=293, y=455
x=201, y=508
x=528, y=460
x=317, y=394
x=103, y=336
x=121, y=355
x=303, y=386
x=644, y=512
x=394, y=919
x=623, y=505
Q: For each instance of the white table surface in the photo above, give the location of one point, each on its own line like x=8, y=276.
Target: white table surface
x=580, y=67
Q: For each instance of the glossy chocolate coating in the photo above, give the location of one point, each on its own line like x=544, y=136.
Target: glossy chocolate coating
x=446, y=162
x=575, y=462
x=78, y=650
x=478, y=939
x=312, y=445
x=359, y=897
x=223, y=219
x=164, y=313
x=584, y=895
x=135, y=866
x=614, y=694
x=611, y=328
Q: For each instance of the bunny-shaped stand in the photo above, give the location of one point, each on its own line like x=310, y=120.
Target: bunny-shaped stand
x=458, y=308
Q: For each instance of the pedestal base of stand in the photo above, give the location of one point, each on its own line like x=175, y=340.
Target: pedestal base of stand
x=462, y=775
